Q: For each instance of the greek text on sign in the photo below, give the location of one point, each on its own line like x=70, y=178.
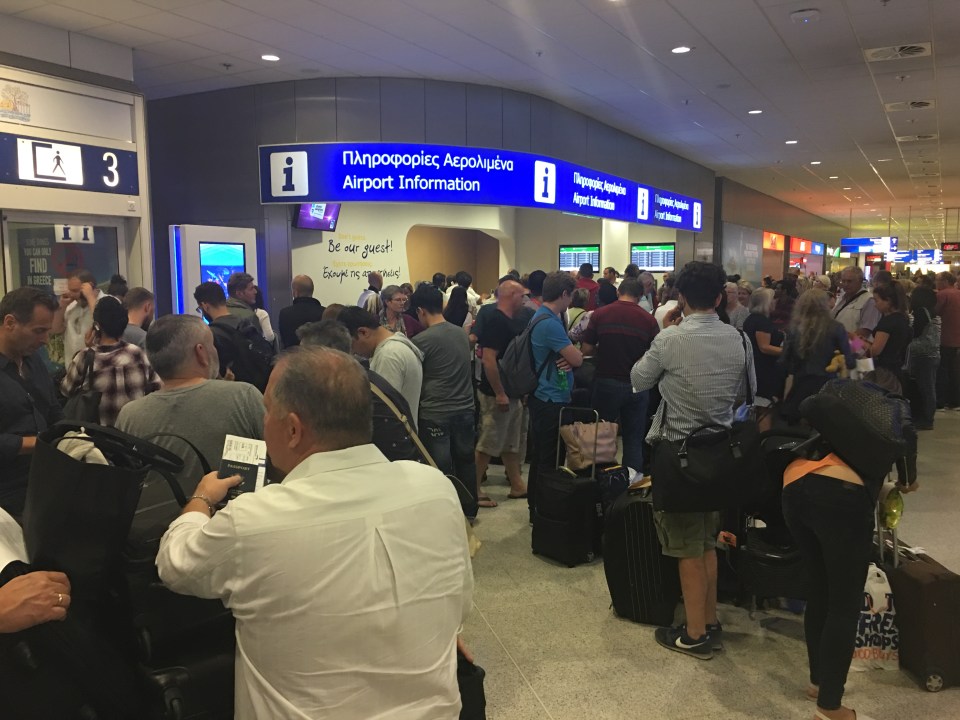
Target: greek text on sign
x=408, y=173
x=50, y=162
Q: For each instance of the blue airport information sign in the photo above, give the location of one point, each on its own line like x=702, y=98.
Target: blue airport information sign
x=28, y=160
x=391, y=172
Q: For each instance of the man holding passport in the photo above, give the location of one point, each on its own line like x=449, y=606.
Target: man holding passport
x=349, y=579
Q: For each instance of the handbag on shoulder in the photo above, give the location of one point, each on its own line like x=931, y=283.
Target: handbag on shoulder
x=712, y=468
x=83, y=405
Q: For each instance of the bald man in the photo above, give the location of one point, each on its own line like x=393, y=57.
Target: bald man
x=375, y=285
x=503, y=431
x=305, y=309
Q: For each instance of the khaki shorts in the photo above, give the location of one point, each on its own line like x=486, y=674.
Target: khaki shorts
x=687, y=535
x=501, y=432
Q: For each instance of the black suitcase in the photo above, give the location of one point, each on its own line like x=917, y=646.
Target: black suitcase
x=644, y=584
x=567, y=513
x=927, y=599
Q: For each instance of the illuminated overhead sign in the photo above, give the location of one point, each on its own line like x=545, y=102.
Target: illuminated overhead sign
x=805, y=247
x=47, y=163
x=390, y=172
x=883, y=244
x=950, y=246
x=772, y=241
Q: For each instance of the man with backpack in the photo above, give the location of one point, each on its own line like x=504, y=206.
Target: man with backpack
x=503, y=431
x=243, y=352
x=554, y=358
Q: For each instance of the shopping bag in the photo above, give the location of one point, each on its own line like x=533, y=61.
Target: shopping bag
x=589, y=443
x=878, y=639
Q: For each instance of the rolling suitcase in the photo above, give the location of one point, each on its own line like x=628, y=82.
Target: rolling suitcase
x=567, y=515
x=644, y=584
x=927, y=599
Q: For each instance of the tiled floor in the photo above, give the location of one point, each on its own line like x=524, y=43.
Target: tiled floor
x=553, y=650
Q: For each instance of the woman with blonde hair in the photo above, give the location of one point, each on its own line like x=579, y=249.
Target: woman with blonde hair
x=744, y=291
x=813, y=338
x=767, y=344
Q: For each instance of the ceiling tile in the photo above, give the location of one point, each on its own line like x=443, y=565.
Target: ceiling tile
x=124, y=35
x=62, y=17
x=118, y=10
x=169, y=25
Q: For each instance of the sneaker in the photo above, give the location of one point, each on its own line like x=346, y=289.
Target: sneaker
x=715, y=632
x=678, y=640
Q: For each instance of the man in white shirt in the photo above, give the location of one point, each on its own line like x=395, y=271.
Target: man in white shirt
x=855, y=309
x=465, y=280
x=349, y=579
x=75, y=316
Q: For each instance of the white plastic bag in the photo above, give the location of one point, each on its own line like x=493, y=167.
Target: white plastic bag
x=878, y=639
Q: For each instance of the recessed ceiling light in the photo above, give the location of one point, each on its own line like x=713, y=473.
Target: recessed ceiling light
x=834, y=177
x=754, y=112
x=681, y=49
x=884, y=160
x=814, y=162
x=848, y=188
x=270, y=58
x=789, y=142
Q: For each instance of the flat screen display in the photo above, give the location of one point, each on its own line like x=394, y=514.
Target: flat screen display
x=317, y=216
x=220, y=260
x=573, y=256
x=653, y=258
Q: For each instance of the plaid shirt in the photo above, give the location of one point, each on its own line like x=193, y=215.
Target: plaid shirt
x=120, y=372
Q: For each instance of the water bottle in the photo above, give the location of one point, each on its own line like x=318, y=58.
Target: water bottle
x=562, y=382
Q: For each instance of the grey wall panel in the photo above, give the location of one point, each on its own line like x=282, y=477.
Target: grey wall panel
x=276, y=116
x=568, y=135
x=276, y=259
x=358, y=109
x=604, y=147
x=446, y=108
x=541, y=122
x=315, y=110
x=402, y=110
x=484, y=113
x=516, y=121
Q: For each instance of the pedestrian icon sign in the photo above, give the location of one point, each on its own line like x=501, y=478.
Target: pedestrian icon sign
x=49, y=162
x=289, y=176
x=544, y=182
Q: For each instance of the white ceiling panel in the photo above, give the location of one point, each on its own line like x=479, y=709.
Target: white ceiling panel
x=611, y=61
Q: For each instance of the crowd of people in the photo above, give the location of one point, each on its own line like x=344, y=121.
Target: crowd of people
x=414, y=374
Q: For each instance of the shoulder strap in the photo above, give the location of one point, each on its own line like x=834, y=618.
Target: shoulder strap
x=406, y=423
x=847, y=302
x=746, y=368
x=546, y=360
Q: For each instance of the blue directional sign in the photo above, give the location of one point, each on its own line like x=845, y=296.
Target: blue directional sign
x=391, y=172
x=28, y=160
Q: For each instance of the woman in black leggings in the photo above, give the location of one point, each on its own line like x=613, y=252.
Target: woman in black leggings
x=829, y=508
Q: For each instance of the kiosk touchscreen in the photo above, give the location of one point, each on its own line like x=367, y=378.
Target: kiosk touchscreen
x=202, y=253
x=653, y=257
x=573, y=256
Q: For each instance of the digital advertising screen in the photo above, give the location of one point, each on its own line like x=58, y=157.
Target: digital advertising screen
x=653, y=258
x=317, y=216
x=218, y=261
x=573, y=256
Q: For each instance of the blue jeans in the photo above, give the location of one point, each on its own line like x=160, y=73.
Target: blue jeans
x=450, y=442
x=615, y=401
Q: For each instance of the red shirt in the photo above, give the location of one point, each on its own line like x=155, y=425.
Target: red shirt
x=948, y=308
x=590, y=286
x=622, y=332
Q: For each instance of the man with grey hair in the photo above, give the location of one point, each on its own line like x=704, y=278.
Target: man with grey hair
x=391, y=433
x=192, y=403
x=855, y=309
x=347, y=542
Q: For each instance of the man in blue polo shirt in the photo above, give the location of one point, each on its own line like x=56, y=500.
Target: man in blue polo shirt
x=551, y=346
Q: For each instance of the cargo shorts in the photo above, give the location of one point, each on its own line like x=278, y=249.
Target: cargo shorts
x=501, y=432
x=687, y=534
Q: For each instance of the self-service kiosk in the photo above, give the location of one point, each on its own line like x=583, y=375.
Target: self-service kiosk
x=201, y=253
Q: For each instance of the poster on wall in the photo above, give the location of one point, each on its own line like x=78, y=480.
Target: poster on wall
x=742, y=247
x=44, y=258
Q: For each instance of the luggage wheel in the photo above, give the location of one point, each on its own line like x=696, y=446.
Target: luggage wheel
x=933, y=681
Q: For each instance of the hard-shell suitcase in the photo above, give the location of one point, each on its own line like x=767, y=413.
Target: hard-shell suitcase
x=644, y=583
x=567, y=515
x=927, y=598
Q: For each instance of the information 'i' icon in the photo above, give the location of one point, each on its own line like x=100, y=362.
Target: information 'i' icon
x=289, y=174
x=544, y=182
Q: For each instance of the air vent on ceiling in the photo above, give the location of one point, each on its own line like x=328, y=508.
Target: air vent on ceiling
x=910, y=105
x=917, y=138
x=898, y=52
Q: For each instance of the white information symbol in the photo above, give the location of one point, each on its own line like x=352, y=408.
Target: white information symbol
x=643, y=204
x=544, y=182
x=288, y=174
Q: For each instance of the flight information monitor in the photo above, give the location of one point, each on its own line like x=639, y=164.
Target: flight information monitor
x=653, y=257
x=573, y=256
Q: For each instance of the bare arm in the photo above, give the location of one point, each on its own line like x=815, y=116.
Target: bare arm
x=572, y=356
x=878, y=344
x=763, y=342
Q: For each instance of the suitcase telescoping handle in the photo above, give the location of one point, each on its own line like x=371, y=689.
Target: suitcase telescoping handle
x=596, y=435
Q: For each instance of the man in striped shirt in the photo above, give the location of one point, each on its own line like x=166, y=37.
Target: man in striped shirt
x=700, y=365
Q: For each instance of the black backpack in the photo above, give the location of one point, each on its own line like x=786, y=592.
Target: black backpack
x=246, y=352
x=519, y=373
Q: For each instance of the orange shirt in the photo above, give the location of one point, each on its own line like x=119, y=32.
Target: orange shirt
x=831, y=466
